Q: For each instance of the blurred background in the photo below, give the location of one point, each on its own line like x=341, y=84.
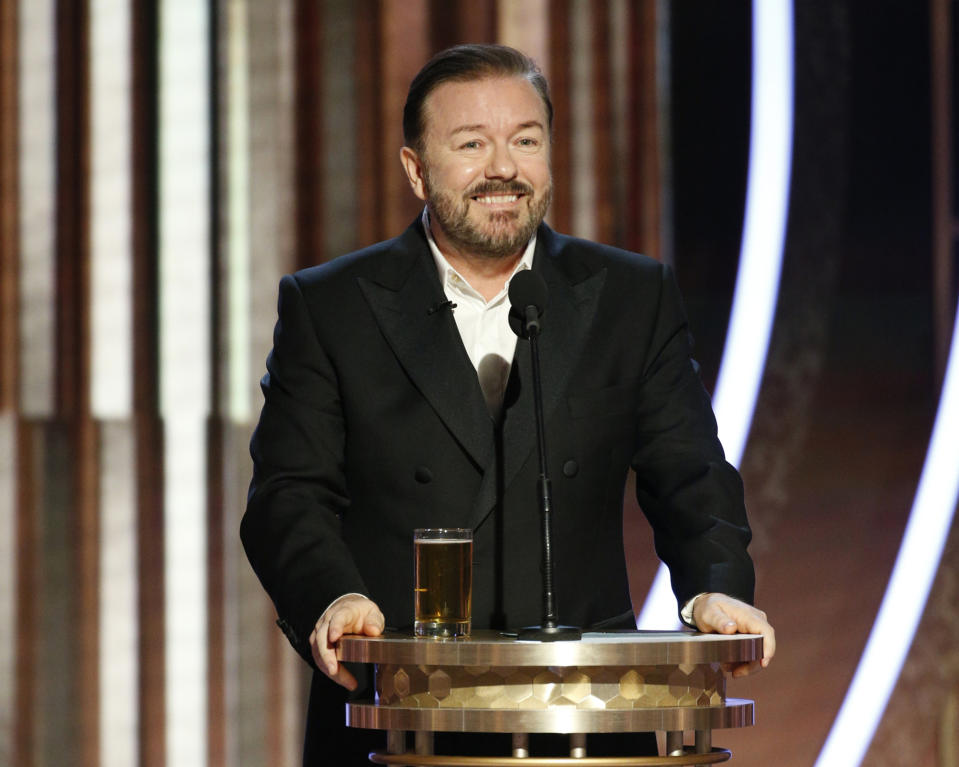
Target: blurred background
x=163, y=163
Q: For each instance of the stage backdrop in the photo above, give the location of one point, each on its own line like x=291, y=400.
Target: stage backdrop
x=162, y=164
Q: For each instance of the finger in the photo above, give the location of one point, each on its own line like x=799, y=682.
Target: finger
x=717, y=619
x=344, y=620
x=769, y=645
x=373, y=623
x=769, y=642
x=315, y=652
x=344, y=678
x=334, y=628
x=327, y=663
x=745, y=669
x=755, y=622
x=323, y=654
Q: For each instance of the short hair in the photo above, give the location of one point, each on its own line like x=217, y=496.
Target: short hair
x=463, y=63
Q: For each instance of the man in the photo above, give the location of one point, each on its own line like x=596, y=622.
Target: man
x=393, y=400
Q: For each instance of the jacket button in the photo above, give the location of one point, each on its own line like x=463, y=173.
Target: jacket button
x=570, y=469
x=423, y=475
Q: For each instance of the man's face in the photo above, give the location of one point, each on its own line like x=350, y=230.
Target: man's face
x=484, y=170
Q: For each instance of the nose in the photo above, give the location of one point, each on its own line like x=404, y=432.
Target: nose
x=501, y=163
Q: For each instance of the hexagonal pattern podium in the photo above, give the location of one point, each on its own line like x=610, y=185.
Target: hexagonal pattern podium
x=491, y=682
x=549, y=687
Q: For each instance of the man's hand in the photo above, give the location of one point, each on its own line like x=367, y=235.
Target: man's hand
x=720, y=614
x=350, y=614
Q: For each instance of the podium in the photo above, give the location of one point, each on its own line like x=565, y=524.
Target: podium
x=671, y=683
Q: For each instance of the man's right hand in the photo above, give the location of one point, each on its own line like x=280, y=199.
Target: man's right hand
x=350, y=614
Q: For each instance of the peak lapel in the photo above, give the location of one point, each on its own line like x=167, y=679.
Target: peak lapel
x=428, y=345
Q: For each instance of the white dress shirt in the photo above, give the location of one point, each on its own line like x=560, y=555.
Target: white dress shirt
x=483, y=325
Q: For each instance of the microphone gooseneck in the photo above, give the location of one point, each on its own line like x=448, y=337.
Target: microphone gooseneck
x=528, y=295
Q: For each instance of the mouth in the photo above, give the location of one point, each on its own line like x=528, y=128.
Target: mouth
x=498, y=200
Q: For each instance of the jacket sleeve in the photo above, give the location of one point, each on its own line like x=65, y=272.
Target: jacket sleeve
x=691, y=495
x=291, y=528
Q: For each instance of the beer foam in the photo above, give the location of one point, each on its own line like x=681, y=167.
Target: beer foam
x=443, y=540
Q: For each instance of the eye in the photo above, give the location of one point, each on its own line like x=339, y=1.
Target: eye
x=472, y=144
x=528, y=142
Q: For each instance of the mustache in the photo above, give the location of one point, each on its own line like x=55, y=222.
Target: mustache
x=499, y=187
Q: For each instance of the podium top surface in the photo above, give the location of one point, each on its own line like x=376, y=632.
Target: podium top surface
x=493, y=648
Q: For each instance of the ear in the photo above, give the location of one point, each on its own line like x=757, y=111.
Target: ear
x=414, y=171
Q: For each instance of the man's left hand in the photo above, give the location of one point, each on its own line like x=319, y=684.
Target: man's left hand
x=720, y=614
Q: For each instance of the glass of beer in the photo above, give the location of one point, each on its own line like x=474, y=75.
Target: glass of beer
x=442, y=581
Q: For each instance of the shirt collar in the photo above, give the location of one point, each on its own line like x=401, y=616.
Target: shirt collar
x=446, y=270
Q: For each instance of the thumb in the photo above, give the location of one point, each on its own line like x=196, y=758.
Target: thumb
x=722, y=622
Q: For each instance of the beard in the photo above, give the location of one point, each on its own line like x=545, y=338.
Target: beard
x=500, y=233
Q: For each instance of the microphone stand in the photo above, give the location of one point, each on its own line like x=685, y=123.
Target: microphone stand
x=549, y=631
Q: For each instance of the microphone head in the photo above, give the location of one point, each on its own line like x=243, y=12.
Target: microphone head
x=527, y=297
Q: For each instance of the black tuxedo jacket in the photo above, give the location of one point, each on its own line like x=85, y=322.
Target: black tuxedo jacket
x=374, y=424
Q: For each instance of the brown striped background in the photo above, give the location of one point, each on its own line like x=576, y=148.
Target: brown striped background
x=163, y=163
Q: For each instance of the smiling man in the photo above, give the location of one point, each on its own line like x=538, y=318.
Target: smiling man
x=487, y=184
x=395, y=399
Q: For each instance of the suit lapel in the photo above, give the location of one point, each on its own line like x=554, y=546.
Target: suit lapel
x=571, y=306
x=428, y=345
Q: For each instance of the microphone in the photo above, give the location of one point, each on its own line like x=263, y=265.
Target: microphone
x=527, y=297
x=440, y=305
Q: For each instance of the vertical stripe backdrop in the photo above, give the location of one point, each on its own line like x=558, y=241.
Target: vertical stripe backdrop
x=162, y=164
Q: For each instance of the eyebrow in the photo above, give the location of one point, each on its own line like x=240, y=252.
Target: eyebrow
x=480, y=126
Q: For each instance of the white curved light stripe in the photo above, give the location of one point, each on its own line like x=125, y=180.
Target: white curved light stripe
x=912, y=576
x=760, y=259
x=764, y=227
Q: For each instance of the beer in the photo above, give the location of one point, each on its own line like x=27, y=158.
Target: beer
x=443, y=562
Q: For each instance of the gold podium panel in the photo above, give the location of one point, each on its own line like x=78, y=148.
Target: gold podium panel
x=668, y=682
